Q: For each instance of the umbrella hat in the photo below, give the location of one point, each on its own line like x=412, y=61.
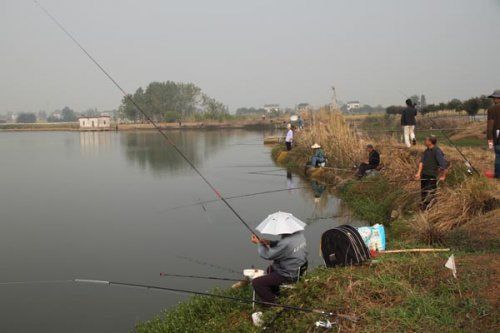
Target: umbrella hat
x=496, y=94
x=280, y=223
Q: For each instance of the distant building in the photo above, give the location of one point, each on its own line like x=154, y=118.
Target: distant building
x=303, y=107
x=272, y=108
x=95, y=123
x=57, y=115
x=353, y=105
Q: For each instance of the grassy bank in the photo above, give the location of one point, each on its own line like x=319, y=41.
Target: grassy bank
x=40, y=127
x=399, y=293
x=392, y=293
x=229, y=124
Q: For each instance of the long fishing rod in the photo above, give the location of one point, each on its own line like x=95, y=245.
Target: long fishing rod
x=229, y=298
x=421, y=130
x=146, y=116
x=468, y=163
x=265, y=171
x=202, y=277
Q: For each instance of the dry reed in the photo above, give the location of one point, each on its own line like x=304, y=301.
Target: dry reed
x=457, y=202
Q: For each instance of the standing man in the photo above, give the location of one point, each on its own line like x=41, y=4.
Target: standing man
x=289, y=137
x=300, y=122
x=371, y=163
x=493, y=129
x=408, y=123
x=432, y=167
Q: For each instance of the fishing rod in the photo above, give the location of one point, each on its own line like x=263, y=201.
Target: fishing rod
x=421, y=130
x=264, y=171
x=163, y=274
x=467, y=162
x=229, y=298
x=147, y=117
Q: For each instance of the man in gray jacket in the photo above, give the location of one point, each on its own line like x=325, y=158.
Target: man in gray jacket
x=288, y=254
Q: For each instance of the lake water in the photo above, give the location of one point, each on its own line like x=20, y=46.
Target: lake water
x=99, y=206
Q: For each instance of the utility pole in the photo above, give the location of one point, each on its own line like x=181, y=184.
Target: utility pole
x=333, y=104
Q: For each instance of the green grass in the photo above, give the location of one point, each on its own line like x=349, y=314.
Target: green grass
x=371, y=199
x=396, y=293
x=399, y=293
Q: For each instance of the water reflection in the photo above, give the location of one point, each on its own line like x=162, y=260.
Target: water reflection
x=94, y=143
x=150, y=151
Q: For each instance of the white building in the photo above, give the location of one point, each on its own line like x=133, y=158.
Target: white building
x=272, y=107
x=95, y=123
x=353, y=105
x=301, y=107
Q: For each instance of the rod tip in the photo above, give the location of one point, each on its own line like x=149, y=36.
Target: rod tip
x=91, y=281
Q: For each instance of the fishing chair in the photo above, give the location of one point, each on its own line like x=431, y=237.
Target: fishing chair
x=302, y=271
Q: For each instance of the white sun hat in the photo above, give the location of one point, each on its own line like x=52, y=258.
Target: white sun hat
x=315, y=145
x=280, y=223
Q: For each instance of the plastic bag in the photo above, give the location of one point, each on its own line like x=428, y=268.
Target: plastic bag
x=374, y=237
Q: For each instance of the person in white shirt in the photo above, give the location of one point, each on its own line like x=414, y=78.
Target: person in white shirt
x=289, y=137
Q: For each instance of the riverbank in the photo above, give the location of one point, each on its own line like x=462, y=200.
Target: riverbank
x=399, y=292
x=73, y=126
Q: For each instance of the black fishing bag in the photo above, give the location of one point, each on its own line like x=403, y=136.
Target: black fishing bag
x=343, y=246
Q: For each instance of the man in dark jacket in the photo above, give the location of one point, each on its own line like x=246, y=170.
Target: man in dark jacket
x=408, y=123
x=372, y=162
x=432, y=167
x=493, y=129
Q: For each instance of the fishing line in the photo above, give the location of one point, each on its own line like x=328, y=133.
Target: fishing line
x=229, y=298
x=233, y=197
x=203, y=263
x=163, y=274
x=12, y=283
x=266, y=174
x=148, y=118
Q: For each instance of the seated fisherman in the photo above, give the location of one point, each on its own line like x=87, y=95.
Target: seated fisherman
x=318, y=155
x=372, y=162
x=288, y=254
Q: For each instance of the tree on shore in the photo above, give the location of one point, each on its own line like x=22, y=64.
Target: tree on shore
x=68, y=115
x=471, y=106
x=250, y=111
x=171, y=101
x=26, y=118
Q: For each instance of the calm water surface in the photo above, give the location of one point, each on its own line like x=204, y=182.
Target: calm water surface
x=100, y=206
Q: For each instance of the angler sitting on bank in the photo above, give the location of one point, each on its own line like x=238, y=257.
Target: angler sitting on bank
x=318, y=159
x=372, y=163
x=288, y=254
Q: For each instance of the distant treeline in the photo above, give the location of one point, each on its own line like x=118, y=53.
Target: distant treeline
x=250, y=111
x=364, y=109
x=172, y=101
x=471, y=105
x=65, y=115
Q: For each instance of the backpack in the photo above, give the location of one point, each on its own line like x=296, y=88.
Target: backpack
x=343, y=246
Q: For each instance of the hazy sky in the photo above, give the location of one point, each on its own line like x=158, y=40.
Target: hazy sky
x=248, y=53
